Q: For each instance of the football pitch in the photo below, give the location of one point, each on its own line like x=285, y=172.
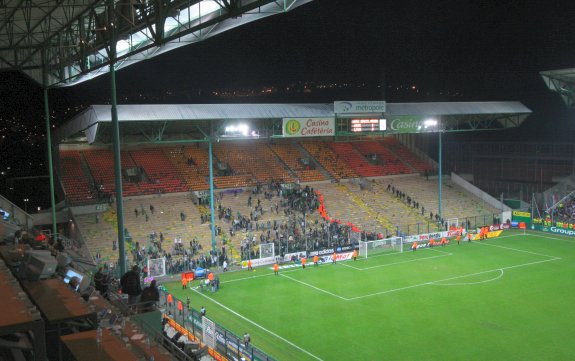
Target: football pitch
x=505, y=298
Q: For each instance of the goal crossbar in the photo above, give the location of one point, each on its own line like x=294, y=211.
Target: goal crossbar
x=387, y=245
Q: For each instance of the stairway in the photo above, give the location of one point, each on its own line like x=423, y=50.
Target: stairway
x=317, y=165
x=359, y=202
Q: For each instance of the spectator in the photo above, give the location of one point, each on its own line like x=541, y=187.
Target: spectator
x=247, y=339
x=131, y=286
x=150, y=295
x=101, y=282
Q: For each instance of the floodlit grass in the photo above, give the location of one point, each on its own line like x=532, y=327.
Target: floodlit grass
x=508, y=298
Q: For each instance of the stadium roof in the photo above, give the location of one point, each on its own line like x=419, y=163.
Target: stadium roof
x=561, y=81
x=71, y=38
x=194, y=122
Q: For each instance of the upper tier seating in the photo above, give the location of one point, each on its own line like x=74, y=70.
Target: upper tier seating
x=356, y=160
x=252, y=159
x=291, y=156
x=101, y=164
x=162, y=175
x=403, y=152
x=332, y=162
x=391, y=163
x=75, y=181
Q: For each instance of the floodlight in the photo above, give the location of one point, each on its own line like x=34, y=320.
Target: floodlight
x=429, y=122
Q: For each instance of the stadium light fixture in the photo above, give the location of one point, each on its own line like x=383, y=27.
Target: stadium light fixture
x=239, y=130
x=428, y=123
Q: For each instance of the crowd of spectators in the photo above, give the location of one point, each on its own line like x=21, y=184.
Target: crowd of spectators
x=410, y=201
x=564, y=212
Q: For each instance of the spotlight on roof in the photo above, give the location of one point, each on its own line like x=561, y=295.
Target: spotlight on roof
x=239, y=130
x=429, y=123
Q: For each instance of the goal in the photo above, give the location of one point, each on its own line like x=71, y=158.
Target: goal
x=157, y=267
x=453, y=223
x=267, y=250
x=387, y=245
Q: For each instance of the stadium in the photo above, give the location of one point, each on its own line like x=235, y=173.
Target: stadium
x=291, y=231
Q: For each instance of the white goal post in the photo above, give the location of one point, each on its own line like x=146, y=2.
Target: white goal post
x=452, y=222
x=157, y=267
x=387, y=245
x=267, y=250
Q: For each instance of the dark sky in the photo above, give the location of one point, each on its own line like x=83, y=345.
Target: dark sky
x=486, y=48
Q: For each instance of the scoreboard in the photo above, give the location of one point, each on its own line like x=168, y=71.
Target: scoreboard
x=368, y=125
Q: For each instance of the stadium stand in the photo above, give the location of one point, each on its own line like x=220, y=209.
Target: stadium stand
x=193, y=164
x=162, y=176
x=404, y=153
x=255, y=160
x=291, y=156
x=247, y=170
x=392, y=164
x=75, y=181
x=356, y=160
x=456, y=203
x=335, y=165
x=101, y=165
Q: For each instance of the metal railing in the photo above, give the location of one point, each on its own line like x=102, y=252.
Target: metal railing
x=227, y=344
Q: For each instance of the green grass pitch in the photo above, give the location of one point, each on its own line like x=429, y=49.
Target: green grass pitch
x=507, y=298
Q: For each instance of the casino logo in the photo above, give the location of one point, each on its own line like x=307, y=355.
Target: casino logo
x=292, y=127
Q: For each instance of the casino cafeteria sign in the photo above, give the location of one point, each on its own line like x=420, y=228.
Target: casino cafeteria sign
x=308, y=127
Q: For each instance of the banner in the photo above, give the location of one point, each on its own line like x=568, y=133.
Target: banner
x=338, y=257
x=356, y=107
x=519, y=216
x=491, y=234
x=553, y=229
x=330, y=251
x=408, y=124
x=209, y=332
x=259, y=262
x=308, y=127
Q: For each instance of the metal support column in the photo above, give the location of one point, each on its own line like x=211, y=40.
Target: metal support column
x=439, y=183
x=116, y=146
x=49, y=146
x=212, y=196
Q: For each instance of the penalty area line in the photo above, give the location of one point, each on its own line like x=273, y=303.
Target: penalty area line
x=502, y=269
x=314, y=287
x=516, y=250
x=396, y=263
x=554, y=238
x=260, y=326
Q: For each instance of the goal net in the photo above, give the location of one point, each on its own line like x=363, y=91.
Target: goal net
x=157, y=267
x=387, y=245
x=267, y=250
x=453, y=223
x=354, y=237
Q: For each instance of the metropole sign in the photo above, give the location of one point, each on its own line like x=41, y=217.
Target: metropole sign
x=358, y=107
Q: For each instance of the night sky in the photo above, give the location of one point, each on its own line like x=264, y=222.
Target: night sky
x=447, y=50
x=492, y=48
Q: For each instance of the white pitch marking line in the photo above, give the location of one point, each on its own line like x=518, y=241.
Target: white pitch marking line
x=554, y=238
x=258, y=276
x=517, y=250
x=501, y=273
x=314, y=287
x=402, y=262
x=259, y=326
x=449, y=279
x=436, y=250
x=390, y=264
